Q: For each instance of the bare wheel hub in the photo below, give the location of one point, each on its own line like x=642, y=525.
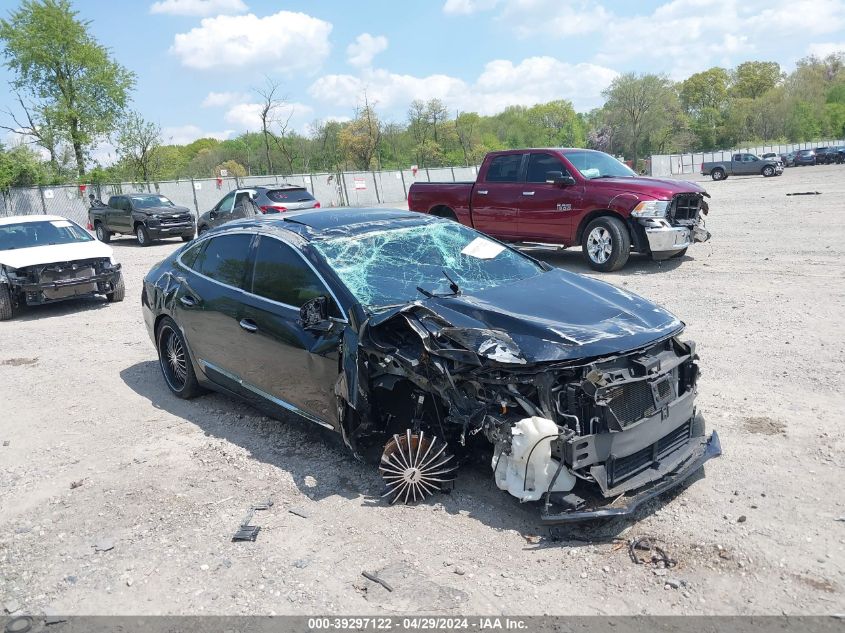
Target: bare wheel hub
x=414, y=467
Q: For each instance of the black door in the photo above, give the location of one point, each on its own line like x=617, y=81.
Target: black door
x=209, y=307
x=292, y=367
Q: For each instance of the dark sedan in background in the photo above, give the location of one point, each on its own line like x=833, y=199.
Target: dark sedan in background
x=422, y=341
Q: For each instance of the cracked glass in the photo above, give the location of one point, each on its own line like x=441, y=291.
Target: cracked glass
x=386, y=267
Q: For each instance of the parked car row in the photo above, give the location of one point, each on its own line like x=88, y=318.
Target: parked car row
x=152, y=216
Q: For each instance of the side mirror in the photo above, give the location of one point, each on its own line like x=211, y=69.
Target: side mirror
x=314, y=314
x=557, y=178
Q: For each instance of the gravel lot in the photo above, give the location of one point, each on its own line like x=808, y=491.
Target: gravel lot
x=94, y=451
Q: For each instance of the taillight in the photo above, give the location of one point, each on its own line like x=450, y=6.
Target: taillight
x=272, y=208
x=317, y=205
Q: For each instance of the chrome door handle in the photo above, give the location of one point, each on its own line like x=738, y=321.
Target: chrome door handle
x=188, y=301
x=249, y=325
x=482, y=192
x=527, y=193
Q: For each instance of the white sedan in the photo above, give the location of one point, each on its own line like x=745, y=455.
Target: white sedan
x=47, y=258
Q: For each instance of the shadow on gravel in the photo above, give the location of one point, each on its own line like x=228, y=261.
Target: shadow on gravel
x=321, y=466
x=573, y=261
x=60, y=309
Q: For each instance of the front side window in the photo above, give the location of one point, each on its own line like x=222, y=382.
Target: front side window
x=42, y=233
x=504, y=168
x=282, y=275
x=540, y=164
x=226, y=204
x=225, y=259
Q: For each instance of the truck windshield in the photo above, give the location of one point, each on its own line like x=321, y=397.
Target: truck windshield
x=148, y=202
x=386, y=267
x=42, y=233
x=598, y=165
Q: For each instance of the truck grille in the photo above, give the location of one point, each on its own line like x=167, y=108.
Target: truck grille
x=685, y=208
x=179, y=219
x=631, y=402
x=623, y=468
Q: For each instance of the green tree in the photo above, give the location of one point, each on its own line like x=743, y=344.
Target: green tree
x=19, y=167
x=634, y=103
x=79, y=88
x=138, y=144
x=753, y=79
x=360, y=138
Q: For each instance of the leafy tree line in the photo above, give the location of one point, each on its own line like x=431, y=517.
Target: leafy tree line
x=71, y=95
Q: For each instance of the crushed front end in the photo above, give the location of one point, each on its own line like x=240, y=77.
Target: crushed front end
x=48, y=283
x=588, y=437
x=680, y=225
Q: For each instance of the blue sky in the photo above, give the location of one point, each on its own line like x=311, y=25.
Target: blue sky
x=199, y=61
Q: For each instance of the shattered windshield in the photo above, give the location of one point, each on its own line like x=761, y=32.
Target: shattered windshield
x=394, y=266
x=42, y=233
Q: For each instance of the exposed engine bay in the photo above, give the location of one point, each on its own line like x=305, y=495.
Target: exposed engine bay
x=590, y=437
x=46, y=283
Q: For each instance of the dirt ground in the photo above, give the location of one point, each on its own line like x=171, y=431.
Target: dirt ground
x=95, y=454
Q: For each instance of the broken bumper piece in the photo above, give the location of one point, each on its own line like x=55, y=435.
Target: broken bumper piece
x=570, y=508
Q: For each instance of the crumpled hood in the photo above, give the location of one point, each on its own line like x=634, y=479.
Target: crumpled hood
x=22, y=257
x=649, y=187
x=560, y=315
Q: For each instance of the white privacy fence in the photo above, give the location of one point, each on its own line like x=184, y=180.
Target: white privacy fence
x=678, y=164
x=357, y=189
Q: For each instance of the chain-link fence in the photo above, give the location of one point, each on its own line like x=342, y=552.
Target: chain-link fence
x=677, y=164
x=357, y=189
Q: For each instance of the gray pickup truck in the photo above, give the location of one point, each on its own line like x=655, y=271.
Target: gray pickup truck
x=147, y=216
x=742, y=165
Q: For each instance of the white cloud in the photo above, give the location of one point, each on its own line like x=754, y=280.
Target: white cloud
x=283, y=41
x=365, y=47
x=502, y=83
x=198, y=7
x=823, y=49
x=184, y=134
x=221, y=99
x=678, y=36
x=468, y=7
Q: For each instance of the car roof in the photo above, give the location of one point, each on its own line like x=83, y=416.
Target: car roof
x=17, y=219
x=318, y=224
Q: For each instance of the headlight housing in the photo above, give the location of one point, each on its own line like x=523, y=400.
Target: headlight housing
x=651, y=209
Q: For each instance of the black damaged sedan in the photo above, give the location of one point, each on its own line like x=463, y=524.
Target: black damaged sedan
x=423, y=342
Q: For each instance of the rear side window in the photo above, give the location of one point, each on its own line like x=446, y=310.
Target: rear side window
x=225, y=259
x=504, y=168
x=282, y=275
x=289, y=195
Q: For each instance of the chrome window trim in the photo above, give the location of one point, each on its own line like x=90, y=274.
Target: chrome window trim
x=259, y=392
x=247, y=231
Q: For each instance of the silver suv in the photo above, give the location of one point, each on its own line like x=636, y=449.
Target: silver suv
x=259, y=200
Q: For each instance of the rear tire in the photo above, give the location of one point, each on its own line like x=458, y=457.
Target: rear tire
x=606, y=244
x=102, y=234
x=175, y=361
x=119, y=293
x=446, y=214
x=718, y=174
x=142, y=235
x=5, y=303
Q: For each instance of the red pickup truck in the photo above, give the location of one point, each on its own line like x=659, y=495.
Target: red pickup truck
x=570, y=197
